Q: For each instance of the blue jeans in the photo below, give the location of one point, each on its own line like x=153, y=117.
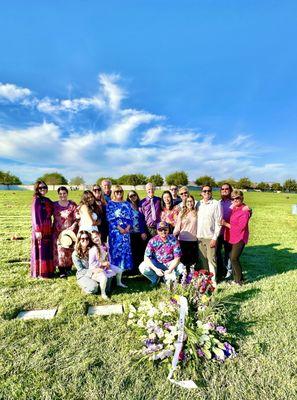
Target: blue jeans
x=154, y=278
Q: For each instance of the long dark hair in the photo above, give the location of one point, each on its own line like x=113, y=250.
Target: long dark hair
x=171, y=200
x=85, y=200
x=78, y=247
x=36, y=190
x=129, y=200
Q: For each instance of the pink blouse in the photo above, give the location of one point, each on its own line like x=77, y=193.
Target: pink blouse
x=186, y=228
x=239, y=225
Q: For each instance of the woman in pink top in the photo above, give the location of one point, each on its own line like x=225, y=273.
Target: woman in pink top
x=186, y=229
x=237, y=232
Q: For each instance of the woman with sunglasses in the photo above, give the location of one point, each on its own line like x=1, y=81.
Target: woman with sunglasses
x=80, y=258
x=237, y=232
x=120, y=221
x=137, y=235
x=42, y=264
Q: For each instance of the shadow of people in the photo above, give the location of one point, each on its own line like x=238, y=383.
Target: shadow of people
x=232, y=317
x=262, y=261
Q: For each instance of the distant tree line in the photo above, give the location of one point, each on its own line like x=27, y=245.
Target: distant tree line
x=179, y=178
x=6, y=178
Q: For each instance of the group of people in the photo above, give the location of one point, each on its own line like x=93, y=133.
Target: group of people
x=162, y=237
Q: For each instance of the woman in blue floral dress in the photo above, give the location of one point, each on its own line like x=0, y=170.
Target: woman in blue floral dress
x=120, y=220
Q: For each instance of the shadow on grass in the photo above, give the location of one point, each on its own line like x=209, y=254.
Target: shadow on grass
x=233, y=303
x=260, y=262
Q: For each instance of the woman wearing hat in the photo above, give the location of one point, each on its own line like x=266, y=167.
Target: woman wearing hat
x=64, y=219
x=42, y=265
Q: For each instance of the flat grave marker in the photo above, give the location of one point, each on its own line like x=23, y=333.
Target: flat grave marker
x=105, y=310
x=37, y=314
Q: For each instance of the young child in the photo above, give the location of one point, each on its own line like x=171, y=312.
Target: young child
x=99, y=260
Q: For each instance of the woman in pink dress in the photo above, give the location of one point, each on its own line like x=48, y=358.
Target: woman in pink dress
x=237, y=232
x=42, y=265
x=169, y=211
x=64, y=218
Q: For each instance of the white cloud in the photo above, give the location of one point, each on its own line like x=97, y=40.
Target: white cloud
x=112, y=91
x=152, y=135
x=130, y=141
x=11, y=92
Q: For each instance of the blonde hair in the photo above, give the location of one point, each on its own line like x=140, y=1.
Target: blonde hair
x=237, y=193
x=183, y=188
x=116, y=188
x=185, y=208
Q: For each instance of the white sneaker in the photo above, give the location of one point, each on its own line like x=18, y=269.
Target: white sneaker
x=104, y=297
x=229, y=274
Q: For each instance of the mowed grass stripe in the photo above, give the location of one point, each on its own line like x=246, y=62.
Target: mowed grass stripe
x=78, y=357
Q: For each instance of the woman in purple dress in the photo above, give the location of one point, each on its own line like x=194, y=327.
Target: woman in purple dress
x=64, y=218
x=42, y=265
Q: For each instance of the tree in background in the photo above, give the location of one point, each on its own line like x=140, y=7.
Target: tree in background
x=205, y=180
x=156, y=179
x=276, y=186
x=290, y=185
x=114, y=181
x=177, y=178
x=77, y=181
x=231, y=181
x=53, y=178
x=6, y=178
x=132, y=179
x=244, y=183
x=264, y=186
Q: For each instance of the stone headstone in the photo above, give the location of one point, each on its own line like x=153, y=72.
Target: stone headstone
x=106, y=310
x=37, y=314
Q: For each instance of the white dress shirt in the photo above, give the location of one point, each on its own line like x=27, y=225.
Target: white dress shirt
x=209, y=218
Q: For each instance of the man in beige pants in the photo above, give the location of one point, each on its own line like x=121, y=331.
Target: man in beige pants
x=208, y=229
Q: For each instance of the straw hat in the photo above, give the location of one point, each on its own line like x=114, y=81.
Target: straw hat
x=66, y=238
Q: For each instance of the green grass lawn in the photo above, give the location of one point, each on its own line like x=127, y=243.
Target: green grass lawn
x=75, y=356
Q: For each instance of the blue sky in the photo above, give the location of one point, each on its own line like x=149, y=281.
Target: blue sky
x=97, y=88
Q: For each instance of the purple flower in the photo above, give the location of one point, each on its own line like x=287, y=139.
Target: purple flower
x=148, y=342
x=221, y=329
x=167, y=325
x=173, y=301
x=200, y=352
x=209, y=325
x=229, y=350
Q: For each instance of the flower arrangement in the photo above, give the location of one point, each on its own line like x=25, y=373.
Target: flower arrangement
x=158, y=329
x=198, y=287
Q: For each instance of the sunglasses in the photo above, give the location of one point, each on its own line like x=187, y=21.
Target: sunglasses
x=132, y=195
x=173, y=189
x=97, y=190
x=42, y=187
x=225, y=189
x=206, y=191
x=118, y=191
x=184, y=193
x=236, y=198
x=84, y=239
x=163, y=230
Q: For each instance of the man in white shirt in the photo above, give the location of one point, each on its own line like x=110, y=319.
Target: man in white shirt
x=208, y=229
